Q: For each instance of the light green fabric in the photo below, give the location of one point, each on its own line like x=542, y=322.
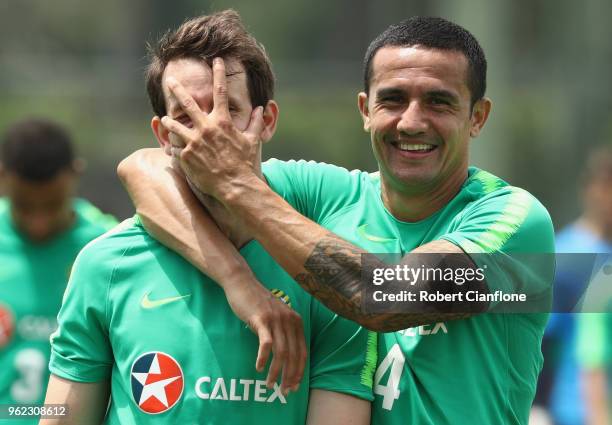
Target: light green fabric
x=481, y=370
x=130, y=295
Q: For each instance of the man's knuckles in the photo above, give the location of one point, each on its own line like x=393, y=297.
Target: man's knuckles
x=221, y=90
x=265, y=342
x=281, y=352
x=225, y=124
x=188, y=104
x=187, y=153
x=268, y=316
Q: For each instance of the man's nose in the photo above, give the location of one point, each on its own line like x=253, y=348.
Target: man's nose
x=413, y=121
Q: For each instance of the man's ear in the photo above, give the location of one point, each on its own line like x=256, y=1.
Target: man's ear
x=480, y=113
x=161, y=134
x=270, y=118
x=362, y=104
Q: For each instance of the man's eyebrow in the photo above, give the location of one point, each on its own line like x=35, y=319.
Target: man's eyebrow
x=389, y=91
x=443, y=94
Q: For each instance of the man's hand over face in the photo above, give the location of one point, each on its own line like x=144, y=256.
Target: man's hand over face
x=214, y=155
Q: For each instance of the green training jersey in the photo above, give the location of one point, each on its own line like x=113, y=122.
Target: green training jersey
x=139, y=315
x=33, y=278
x=481, y=370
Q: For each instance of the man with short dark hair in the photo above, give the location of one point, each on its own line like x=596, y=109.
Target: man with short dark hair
x=40, y=174
x=42, y=228
x=423, y=101
x=139, y=319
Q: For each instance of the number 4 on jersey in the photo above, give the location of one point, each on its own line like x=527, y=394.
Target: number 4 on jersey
x=395, y=360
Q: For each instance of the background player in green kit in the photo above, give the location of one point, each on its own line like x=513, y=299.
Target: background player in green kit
x=42, y=228
x=140, y=320
x=423, y=101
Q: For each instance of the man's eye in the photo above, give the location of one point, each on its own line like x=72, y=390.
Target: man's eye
x=185, y=120
x=391, y=100
x=437, y=101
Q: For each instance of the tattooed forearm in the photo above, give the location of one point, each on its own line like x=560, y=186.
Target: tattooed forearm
x=333, y=275
x=351, y=308
x=347, y=307
x=336, y=264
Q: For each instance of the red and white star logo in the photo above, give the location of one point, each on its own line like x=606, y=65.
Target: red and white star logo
x=157, y=382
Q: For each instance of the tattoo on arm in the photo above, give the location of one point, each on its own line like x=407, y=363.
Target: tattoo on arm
x=332, y=274
x=337, y=264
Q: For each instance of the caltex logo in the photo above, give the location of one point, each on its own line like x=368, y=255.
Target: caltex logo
x=157, y=382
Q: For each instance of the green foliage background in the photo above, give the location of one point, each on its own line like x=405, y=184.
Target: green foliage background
x=81, y=62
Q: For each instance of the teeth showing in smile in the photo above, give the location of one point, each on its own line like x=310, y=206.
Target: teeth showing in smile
x=411, y=147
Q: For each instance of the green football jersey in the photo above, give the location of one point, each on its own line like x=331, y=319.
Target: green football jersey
x=33, y=278
x=481, y=370
x=138, y=314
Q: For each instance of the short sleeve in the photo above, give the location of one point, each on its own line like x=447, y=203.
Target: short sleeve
x=315, y=189
x=80, y=348
x=510, y=235
x=342, y=354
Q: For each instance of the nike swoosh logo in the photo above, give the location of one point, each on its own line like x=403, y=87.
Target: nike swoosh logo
x=147, y=303
x=361, y=230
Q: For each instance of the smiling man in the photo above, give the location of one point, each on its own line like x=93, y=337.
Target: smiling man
x=423, y=102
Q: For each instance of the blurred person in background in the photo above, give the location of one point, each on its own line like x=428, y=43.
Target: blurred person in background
x=594, y=327
x=574, y=383
x=594, y=354
x=42, y=228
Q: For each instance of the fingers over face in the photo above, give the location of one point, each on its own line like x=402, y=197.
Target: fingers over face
x=256, y=125
x=173, y=126
x=186, y=102
x=220, y=101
